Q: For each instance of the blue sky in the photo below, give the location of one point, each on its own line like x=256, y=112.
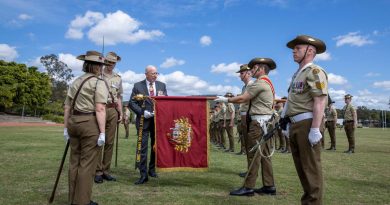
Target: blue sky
x=198, y=45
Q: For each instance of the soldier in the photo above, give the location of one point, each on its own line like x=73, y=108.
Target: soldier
x=245, y=76
x=221, y=125
x=350, y=123
x=85, y=119
x=126, y=120
x=305, y=110
x=114, y=114
x=260, y=96
x=331, y=120
x=229, y=122
x=282, y=141
x=216, y=124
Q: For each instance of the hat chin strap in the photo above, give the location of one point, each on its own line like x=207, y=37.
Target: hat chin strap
x=304, y=56
x=254, y=73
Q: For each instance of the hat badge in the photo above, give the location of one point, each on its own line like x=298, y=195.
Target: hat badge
x=311, y=39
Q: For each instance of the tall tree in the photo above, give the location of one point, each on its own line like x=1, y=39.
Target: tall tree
x=60, y=75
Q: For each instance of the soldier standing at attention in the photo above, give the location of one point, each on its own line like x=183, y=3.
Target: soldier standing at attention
x=331, y=120
x=114, y=114
x=279, y=135
x=217, y=136
x=229, y=122
x=260, y=95
x=305, y=109
x=350, y=123
x=221, y=125
x=126, y=120
x=85, y=120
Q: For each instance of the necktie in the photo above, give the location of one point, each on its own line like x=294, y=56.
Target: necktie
x=151, y=89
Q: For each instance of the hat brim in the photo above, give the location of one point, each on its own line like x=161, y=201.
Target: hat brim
x=272, y=65
x=320, y=47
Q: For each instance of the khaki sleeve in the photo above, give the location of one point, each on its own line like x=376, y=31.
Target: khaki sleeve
x=254, y=89
x=318, y=82
x=101, y=93
x=67, y=101
x=120, y=91
x=231, y=107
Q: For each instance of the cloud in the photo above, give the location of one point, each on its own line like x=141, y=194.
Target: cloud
x=171, y=62
x=116, y=28
x=382, y=84
x=363, y=98
x=364, y=92
x=336, y=79
x=229, y=69
x=178, y=84
x=323, y=57
x=24, y=17
x=71, y=61
x=205, y=40
x=371, y=74
x=8, y=53
x=352, y=39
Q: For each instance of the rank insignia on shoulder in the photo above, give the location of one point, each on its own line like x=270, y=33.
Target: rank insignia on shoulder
x=316, y=71
x=320, y=85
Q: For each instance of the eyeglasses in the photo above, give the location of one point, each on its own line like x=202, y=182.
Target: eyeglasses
x=153, y=73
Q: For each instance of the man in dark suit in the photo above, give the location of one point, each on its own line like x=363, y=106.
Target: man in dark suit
x=148, y=87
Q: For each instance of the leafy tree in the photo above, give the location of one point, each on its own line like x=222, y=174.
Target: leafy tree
x=60, y=75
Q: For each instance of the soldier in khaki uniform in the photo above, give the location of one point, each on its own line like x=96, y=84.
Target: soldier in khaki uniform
x=84, y=119
x=278, y=135
x=126, y=121
x=216, y=132
x=113, y=117
x=221, y=125
x=304, y=109
x=331, y=120
x=260, y=95
x=350, y=123
x=229, y=122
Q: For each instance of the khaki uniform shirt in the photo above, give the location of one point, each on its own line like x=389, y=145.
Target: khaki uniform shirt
x=312, y=81
x=331, y=114
x=262, y=98
x=215, y=116
x=221, y=113
x=229, y=110
x=245, y=106
x=93, y=91
x=349, y=111
x=114, y=82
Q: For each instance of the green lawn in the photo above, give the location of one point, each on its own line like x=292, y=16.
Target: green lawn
x=30, y=157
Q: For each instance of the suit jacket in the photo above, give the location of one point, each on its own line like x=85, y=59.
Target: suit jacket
x=141, y=88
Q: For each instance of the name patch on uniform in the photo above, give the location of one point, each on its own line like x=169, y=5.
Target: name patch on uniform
x=320, y=85
x=316, y=71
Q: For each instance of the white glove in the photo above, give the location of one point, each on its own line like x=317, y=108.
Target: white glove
x=221, y=99
x=148, y=114
x=287, y=131
x=101, y=139
x=314, y=136
x=66, y=135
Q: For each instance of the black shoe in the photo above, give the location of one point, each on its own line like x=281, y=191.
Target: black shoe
x=98, y=179
x=242, y=192
x=283, y=150
x=141, y=180
x=240, y=153
x=153, y=174
x=109, y=177
x=269, y=190
x=93, y=203
x=347, y=151
x=350, y=151
x=242, y=174
x=331, y=148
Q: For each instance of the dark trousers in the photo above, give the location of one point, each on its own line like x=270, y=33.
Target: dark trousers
x=146, y=133
x=229, y=132
x=350, y=131
x=307, y=160
x=332, y=132
x=84, y=133
x=256, y=133
x=106, y=151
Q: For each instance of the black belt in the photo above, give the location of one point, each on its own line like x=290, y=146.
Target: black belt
x=75, y=112
x=348, y=121
x=330, y=121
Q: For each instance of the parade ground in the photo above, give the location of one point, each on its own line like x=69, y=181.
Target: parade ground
x=30, y=158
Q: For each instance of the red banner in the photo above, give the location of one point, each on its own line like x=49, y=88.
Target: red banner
x=181, y=133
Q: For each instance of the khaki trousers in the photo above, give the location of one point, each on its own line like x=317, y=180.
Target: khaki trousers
x=255, y=133
x=307, y=160
x=84, y=133
x=216, y=133
x=126, y=125
x=105, y=152
x=244, y=128
x=350, y=131
x=282, y=140
x=240, y=135
x=229, y=131
x=332, y=132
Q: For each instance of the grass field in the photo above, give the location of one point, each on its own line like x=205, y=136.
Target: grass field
x=30, y=157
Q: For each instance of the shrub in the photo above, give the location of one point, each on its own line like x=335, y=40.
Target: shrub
x=54, y=118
